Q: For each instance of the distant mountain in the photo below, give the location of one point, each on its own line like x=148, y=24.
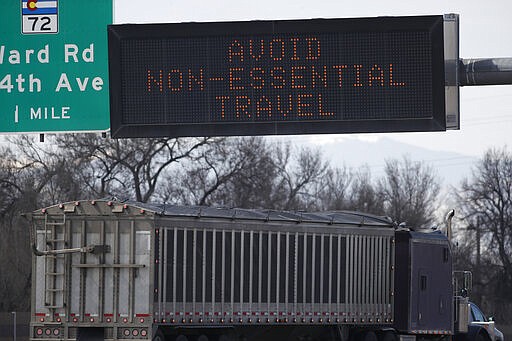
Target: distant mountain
x=352, y=152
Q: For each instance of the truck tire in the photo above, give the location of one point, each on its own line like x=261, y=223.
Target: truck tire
x=388, y=336
x=482, y=336
x=159, y=336
x=366, y=335
x=202, y=337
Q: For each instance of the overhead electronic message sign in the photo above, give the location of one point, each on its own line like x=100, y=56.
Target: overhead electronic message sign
x=54, y=66
x=277, y=77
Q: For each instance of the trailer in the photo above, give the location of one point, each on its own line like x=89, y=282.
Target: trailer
x=122, y=270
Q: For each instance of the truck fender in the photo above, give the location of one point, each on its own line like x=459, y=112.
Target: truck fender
x=477, y=333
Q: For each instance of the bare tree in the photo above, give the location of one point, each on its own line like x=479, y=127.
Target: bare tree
x=409, y=191
x=365, y=195
x=252, y=173
x=252, y=185
x=297, y=176
x=333, y=189
x=225, y=173
x=486, y=204
x=20, y=186
x=129, y=167
x=9, y=186
x=45, y=174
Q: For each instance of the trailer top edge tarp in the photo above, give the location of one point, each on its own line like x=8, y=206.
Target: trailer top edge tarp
x=119, y=208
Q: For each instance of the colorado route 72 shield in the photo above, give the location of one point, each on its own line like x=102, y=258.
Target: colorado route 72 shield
x=39, y=16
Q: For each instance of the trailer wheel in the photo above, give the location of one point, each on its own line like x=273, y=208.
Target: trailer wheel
x=202, y=337
x=388, y=336
x=370, y=336
x=159, y=336
x=367, y=336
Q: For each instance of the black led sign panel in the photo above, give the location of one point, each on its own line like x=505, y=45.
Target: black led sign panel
x=381, y=74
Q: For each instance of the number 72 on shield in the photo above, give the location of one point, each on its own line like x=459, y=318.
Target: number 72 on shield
x=39, y=16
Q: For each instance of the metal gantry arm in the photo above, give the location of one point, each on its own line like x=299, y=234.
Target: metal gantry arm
x=485, y=71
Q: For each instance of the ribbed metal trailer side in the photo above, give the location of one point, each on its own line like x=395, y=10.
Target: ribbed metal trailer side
x=216, y=271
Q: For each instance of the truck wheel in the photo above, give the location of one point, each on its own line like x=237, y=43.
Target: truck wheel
x=482, y=336
x=368, y=335
x=159, y=336
x=388, y=336
x=226, y=337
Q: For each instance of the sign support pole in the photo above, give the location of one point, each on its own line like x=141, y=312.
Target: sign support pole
x=485, y=71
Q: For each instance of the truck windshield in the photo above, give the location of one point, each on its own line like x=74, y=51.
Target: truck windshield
x=477, y=314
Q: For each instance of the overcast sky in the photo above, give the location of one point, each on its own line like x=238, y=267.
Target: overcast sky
x=485, y=31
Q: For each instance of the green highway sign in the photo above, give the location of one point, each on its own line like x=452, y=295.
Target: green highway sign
x=54, y=66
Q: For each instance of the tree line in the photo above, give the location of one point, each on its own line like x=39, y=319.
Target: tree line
x=249, y=172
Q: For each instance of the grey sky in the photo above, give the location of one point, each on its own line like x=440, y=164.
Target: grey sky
x=485, y=31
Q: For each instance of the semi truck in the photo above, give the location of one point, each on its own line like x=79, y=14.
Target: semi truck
x=123, y=270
